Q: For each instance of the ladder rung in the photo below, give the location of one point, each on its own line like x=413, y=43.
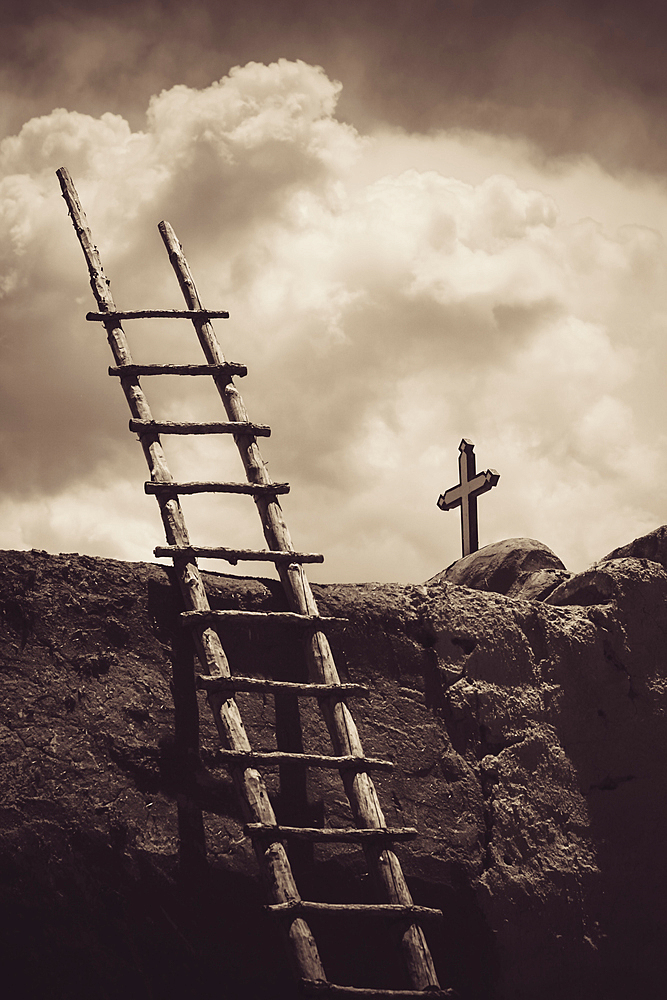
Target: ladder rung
x=197, y=427
x=265, y=684
x=317, y=987
x=332, y=834
x=250, y=757
x=228, y=368
x=100, y=317
x=279, y=617
x=234, y=555
x=252, y=489
x=372, y=909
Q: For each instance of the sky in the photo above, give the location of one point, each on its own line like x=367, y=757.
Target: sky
x=428, y=221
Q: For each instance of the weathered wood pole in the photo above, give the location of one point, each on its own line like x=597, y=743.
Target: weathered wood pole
x=249, y=783
x=383, y=864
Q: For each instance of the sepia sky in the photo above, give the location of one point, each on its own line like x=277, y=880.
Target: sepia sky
x=428, y=221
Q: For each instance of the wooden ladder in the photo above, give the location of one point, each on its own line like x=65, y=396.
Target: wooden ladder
x=236, y=754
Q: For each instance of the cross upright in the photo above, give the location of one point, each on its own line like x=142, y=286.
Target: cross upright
x=465, y=493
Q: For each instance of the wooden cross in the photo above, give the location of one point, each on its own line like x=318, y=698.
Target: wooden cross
x=465, y=493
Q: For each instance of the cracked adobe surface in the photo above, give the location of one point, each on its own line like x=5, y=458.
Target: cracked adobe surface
x=529, y=741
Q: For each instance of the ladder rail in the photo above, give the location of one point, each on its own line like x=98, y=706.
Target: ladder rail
x=383, y=863
x=249, y=782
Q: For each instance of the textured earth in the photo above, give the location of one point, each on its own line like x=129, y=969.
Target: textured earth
x=529, y=741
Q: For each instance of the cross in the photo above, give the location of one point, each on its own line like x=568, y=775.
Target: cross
x=465, y=493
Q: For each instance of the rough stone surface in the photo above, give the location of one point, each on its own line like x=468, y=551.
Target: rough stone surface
x=608, y=580
x=652, y=546
x=529, y=739
x=517, y=567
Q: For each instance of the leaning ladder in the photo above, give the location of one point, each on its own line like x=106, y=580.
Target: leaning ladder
x=268, y=836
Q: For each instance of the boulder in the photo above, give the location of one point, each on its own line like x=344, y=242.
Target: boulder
x=612, y=579
x=517, y=567
x=652, y=546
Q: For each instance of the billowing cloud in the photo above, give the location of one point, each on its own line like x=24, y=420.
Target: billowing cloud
x=384, y=312
x=572, y=77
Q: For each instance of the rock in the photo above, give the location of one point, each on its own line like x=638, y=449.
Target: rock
x=610, y=580
x=529, y=740
x=518, y=567
x=537, y=586
x=652, y=546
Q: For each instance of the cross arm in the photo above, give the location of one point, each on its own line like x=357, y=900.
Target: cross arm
x=482, y=483
x=450, y=499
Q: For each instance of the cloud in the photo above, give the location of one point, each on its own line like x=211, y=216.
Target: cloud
x=384, y=312
x=574, y=78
